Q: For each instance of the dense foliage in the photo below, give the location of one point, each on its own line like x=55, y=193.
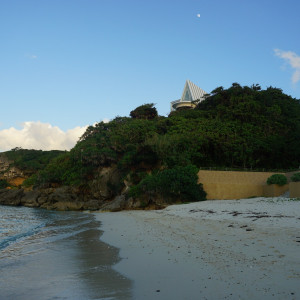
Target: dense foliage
x=31, y=161
x=145, y=111
x=238, y=127
x=254, y=127
x=3, y=184
x=176, y=183
x=296, y=177
x=279, y=179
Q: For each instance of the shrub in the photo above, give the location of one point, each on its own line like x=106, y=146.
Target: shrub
x=3, y=184
x=30, y=181
x=279, y=179
x=178, y=183
x=296, y=177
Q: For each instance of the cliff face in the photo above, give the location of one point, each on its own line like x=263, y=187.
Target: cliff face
x=12, y=174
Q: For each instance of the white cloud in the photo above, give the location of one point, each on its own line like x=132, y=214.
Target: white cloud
x=296, y=76
x=293, y=60
x=38, y=135
x=105, y=120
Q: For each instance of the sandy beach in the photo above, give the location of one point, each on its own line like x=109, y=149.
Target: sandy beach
x=217, y=249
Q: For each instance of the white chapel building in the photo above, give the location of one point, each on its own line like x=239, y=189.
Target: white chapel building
x=191, y=96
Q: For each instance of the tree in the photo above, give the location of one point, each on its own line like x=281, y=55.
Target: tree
x=178, y=183
x=145, y=111
x=217, y=90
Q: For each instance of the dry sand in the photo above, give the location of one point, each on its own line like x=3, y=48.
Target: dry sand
x=217, y=249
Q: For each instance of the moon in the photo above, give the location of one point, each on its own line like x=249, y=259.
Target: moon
x=198, y=15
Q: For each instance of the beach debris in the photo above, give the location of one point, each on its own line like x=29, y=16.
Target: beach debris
x=235, y=213
x=210, y=211
x=258, y=215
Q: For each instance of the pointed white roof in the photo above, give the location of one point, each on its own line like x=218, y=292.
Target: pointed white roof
x=192, y=92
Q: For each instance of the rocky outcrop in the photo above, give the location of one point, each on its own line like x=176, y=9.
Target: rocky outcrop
x=11, y=197
x=117, y=204
x=64, y=198
x=107, y=184
x=57, y=199
x=29, y=199
x=107, y=192
x=10, y=173
x=7, y=171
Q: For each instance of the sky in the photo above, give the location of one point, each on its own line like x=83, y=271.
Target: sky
x=66, y=64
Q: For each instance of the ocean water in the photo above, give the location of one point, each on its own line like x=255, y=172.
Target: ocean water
x=56, y=255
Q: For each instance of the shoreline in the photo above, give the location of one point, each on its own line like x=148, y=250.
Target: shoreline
x=56, y=255
x=215, y=249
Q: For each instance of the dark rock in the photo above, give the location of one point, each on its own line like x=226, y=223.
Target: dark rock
x=11, y=197
x=92, y=205
x=108, y=183
x=62, y=194
x=30, y=199
x=42, y=200
x=67, y=205
x=134, y=204
x=119, y=203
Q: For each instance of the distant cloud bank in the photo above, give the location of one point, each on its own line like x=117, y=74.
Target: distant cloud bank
x=40, y=136
x=293, y=60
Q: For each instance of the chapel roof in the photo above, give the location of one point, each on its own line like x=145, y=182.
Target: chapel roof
x=192, y=92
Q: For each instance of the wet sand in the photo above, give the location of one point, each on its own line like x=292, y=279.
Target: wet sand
x=63, y=260
x=218, y=249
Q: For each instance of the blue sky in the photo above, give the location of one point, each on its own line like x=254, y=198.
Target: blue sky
x=71, y=63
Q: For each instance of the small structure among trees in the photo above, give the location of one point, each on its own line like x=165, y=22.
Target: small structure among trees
x=191, y=96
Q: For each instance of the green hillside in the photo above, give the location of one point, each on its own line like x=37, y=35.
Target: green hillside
x=238, y=127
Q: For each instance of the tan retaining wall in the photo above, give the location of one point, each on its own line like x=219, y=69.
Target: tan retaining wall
x=294, y=189
x=274, y=190
x=233, y=184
